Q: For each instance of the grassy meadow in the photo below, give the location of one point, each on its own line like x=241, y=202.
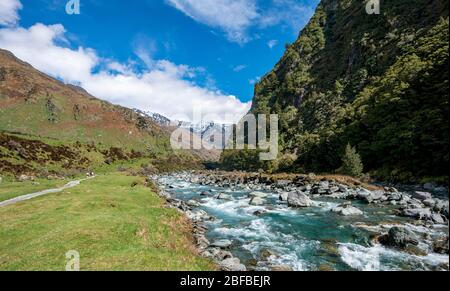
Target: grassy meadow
x=114, y=222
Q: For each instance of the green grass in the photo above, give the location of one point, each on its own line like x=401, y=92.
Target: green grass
x=112, y=225
x=11, y=189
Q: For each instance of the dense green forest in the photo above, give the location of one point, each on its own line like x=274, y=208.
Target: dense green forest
x=378, y=83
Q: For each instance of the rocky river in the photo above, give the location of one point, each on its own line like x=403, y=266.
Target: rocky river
x=306, y=224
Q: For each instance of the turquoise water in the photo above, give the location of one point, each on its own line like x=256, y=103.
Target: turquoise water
x=305, y=239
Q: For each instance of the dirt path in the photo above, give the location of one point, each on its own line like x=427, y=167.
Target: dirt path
x=41, y=193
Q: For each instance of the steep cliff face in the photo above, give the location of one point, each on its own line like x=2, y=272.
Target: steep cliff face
x=378, y=82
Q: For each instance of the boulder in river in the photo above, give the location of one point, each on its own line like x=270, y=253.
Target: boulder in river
x=429, y=202
x=232, y=265
x=418, y=213
x=347, y=210
x=265, y=254
x=257, y=201
x=399, y=237
x=205, y=193
x=440, y=245
x=223, y=196
x=437, y=218
x=298, y=199
x=258, y=194
x=284, y=196
x=422, y=195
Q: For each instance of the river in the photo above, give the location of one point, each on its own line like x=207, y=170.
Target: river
x=306, y=239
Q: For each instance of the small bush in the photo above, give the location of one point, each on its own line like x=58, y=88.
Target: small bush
x=351, y=162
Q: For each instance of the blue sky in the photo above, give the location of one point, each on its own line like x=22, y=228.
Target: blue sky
x=211, y=50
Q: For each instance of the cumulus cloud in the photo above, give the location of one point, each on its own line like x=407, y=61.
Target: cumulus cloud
x=8, y=12
x=237, y=17
x=234, y=17
x=164, y=87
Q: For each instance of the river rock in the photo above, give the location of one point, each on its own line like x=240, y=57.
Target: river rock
x=339, y=195
x=257, y=201
x=298, y=199
x=193, y=203
x=318, y=190
x=422, y=195
x=418, y=213
x=232, y=265
x=343, y=188
x=283, y=183
x=437, y=218
x=202, y=241
x=259, y=212
x=324, y=185
x=415, y=251
x=440, y=245
x=205, y=193
x=198, y=215
x=441, y=206
x=284, y=196
x=218, y=254
x=258, y=194
x=346, y=210
x=399, y=237
x=334, y=189
x=223, y=243
x=429, y=202
x=362, y=194
x=429, y=186
x=371, y=196
x=280, y=268
x=265, y=254
x=223, y=196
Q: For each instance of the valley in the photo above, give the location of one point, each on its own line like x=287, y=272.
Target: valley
x=358, y=181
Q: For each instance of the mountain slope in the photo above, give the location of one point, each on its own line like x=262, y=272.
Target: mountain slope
x=36, y=104
x=378, y=82
x=48, y=128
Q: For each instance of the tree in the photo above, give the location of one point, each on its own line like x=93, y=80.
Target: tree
x=351, y=162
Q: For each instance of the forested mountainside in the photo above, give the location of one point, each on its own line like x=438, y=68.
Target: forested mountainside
x=376, y=82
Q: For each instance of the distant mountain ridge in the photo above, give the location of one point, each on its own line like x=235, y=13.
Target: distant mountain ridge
x=201, y=130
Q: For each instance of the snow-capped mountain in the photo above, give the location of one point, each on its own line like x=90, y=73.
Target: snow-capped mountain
x=206, y=130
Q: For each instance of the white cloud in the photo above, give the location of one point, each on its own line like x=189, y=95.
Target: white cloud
x=239, y=68
x=290, y=13
x=272, y=43
x=37, y=45
x=164, y=87
x=254, y=80
x=8, y=12
x=237, y=17
x=232, y=16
